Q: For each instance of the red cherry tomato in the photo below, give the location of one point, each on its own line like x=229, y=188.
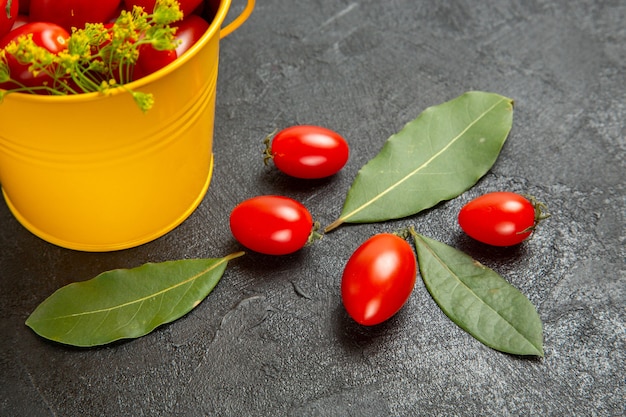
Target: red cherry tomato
x=48, y=35
x=186, y=6
x=308, y=151
x=73, y=13
x=378, y=279
x=189, y=31
x=151, y=60
x=272, y=225
x=499, y=218
x=8, y=16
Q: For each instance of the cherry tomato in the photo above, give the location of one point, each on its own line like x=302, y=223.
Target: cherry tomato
x=307, y=151
x=186, y=6
x=151, y=60
x=189, y=31
x=500, y=218
x=273, y=225
x=378, y=279
x=73, y=13
x=8, y=15
x=48, y=35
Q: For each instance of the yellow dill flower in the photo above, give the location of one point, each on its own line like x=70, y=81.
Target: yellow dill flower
x=4, y=67
x=145, y=101
x=166, y=12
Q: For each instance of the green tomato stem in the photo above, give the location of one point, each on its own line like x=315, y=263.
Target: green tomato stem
x=7, y=8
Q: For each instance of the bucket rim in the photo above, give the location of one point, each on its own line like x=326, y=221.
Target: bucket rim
x=213, y=30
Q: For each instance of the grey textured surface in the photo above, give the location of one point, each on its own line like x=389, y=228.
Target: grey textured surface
x=273, y=338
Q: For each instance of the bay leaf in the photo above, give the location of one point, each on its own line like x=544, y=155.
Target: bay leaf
x=436, y=157
x=479, y=300
x=126, y=303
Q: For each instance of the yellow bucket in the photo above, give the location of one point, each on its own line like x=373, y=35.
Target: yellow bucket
x=92, y=172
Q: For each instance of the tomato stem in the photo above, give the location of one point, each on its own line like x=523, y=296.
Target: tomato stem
x=7, y=8
x=540, y=213
x=405, y=232
x=267, y=153
x=315, y=234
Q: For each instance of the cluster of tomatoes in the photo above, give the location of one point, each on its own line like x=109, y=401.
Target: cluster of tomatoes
x=380, y=275
x=51, y=21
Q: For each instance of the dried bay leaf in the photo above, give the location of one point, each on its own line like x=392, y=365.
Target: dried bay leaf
x=126, y=303
x=436, y=157
x=479, y=300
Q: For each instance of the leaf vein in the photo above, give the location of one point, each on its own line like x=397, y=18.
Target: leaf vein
x=422, y=166
x=142, y=299
x=461, y=283
x=95, y=329
x=132, y=318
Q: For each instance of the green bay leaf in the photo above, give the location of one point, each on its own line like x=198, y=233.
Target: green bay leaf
x=126, y=303
x=479, y=300
x=436, y=157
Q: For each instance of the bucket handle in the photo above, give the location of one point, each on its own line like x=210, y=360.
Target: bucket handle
x=232, y=26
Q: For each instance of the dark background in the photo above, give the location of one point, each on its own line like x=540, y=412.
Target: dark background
x=273, y=337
